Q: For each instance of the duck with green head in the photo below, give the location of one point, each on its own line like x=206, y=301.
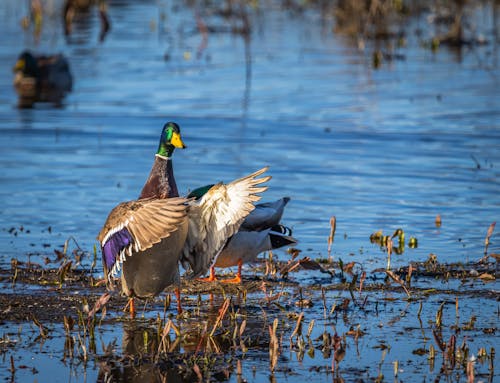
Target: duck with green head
x=216, y=213
x=41, y=78
x=213, y=217
x=161, y=180
x=145, y=237
x=149, y=243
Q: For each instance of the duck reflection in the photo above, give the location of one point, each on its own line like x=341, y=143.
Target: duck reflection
x=148, y=358
x=139, y=362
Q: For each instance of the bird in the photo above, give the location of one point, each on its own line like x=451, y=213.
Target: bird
x=196, y=233
x=41, y=78
x=260, y=231
x=216, y=216
x=245, y=246
x=146, y=236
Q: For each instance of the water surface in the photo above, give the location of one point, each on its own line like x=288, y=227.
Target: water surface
x=380, y=149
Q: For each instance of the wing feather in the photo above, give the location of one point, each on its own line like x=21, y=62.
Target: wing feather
x=216, y=217
x=135, y=226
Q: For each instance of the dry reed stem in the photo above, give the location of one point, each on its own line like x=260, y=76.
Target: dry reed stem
x=487, y=240
x=297, y=326
x=165, y=332
x=333, y=227
x=396, y=279
x=222, y=313
x=273, y=345
x=389, y=252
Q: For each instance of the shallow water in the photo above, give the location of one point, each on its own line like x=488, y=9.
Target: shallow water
x=379, y=149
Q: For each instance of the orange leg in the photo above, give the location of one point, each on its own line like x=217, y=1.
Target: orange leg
x=237, y=278
x=131, y=305
x=178, y=297
x=211, y=278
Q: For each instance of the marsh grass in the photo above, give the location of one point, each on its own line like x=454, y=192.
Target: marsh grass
x=275, y=312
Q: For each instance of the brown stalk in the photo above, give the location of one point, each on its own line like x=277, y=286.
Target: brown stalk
x=438, y=220
x=222, y=313
x=242, y=327
x=487, y=240
x=101, y=302
x=361, y=281
x=439, y=340
x=297, y=326
x=396, y=279
x=165, y=332
x=43, y=330
x=273, y=345
x=389, y=252
x=197, y=371
x=333, y=227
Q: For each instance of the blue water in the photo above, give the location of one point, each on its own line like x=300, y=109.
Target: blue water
x=379, y=149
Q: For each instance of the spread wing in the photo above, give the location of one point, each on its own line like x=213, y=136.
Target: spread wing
x=216, y=217
x=265, y=215
x=136, y=226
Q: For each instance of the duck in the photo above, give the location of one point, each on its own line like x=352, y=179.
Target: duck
x=149, y=258
x=260, y=231
x=216, y=216
x=144, y=238
x=41, y=78
x=245, y=246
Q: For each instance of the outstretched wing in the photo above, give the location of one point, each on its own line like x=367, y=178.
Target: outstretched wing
x=216, y=217
x=265, y=215
x=136, y=226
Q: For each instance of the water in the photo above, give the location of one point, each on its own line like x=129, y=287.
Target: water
x=379, y=149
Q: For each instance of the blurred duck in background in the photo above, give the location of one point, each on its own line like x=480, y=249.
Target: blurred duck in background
x=41, y=78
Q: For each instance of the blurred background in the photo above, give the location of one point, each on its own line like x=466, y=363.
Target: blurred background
x=381, y=113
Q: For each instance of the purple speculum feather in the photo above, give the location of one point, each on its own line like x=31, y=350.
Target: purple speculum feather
x=114, y=245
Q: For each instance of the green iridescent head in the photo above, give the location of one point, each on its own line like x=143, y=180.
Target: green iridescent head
x=169, y=140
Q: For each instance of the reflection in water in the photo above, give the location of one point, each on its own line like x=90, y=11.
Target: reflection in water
x=139, y=362
x=148, y=356
x=78, y=12
x=157, y=352
x=248, y=78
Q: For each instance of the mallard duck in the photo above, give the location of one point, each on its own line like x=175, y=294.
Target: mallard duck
x=259, y=232
x=212, y=220
x=217, y=216
x=146, y=236
x=214, y=217
x=41, y=78
x=245, y=246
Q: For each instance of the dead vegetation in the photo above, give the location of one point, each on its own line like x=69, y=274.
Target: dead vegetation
x=271, y=313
